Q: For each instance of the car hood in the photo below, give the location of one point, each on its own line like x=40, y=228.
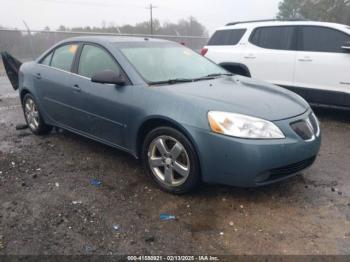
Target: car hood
x=244, y=96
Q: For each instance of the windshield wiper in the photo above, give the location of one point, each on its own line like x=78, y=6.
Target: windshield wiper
x=212, y=76
x=171, y=81
x=186, y=80
x=219, y=74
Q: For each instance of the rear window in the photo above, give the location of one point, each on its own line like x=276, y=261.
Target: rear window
x=322, y=39
x=63, y=57
x=277, y=37
x=227, y=37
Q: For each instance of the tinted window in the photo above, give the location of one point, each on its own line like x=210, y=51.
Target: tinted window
x=227, y=37
x=93, y=60
x=63, y=57
x=278, y=37
x=47, y=59
x=322, y=39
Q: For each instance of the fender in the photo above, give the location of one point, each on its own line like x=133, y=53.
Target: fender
x=154, y=121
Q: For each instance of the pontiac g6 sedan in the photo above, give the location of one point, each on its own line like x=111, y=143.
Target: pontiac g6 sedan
x=186, y=118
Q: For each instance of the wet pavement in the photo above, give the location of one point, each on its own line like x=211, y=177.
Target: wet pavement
x=49, y=206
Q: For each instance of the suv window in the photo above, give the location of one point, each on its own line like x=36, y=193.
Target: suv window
x=274, y=37
x=322, y=39
x=94, y=59
x=63, y=57
x=227, y=37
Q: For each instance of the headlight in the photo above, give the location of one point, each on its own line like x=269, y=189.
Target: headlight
x=243, y=126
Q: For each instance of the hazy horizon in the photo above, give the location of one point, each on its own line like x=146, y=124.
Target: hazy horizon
x=80, y=13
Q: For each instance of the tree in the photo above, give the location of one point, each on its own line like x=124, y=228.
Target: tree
x=289, y=9
x=62, y=28
x=337, y=11
x=189, y=27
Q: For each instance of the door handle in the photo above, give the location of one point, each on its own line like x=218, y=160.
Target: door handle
x=38, y=76
x=76, y=88
x=250, y=57
x=306, y=59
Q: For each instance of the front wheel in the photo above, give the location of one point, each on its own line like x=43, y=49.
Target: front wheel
x=170, y=160
x=33, y=117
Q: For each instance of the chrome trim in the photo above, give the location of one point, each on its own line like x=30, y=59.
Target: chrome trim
x=318, y=132
x=315, y=133
x=70, y=73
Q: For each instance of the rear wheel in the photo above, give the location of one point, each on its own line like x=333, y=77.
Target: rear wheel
x=33, y=117
x=170, y=160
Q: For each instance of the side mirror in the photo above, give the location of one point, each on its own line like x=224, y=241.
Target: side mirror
x=109, y=77
x=346, y=47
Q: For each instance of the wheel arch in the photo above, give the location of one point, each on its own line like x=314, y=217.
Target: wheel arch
x=23, y=92
x=230, y=66
x=158, y=121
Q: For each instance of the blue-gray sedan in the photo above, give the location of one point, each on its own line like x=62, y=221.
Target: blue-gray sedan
x=186, y=118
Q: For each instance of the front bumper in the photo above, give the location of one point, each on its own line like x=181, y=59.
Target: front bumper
x=250, y=163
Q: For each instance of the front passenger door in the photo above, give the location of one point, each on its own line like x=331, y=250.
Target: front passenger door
x=103, y=106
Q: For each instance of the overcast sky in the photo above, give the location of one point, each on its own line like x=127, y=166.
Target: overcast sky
x=71, y=13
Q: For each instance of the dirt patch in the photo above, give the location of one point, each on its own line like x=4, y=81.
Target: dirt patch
x=49, y=206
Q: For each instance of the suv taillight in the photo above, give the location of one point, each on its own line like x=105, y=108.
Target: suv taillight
x=204, y=51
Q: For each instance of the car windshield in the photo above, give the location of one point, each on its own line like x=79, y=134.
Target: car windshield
x=158, y=62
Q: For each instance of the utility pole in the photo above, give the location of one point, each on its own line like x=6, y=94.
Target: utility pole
x=150, y=7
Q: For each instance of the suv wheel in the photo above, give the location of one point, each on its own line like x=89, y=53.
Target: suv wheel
x=170, y=160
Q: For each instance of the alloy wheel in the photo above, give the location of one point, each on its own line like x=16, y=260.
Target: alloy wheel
x=169, y=161
x=32, y=114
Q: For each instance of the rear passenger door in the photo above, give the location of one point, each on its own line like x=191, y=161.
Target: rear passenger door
x=321, y=64
x=270, y=54
x=54, y=85
x=224, y=47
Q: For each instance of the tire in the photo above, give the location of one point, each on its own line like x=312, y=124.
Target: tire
x=33, y=117
x=170, y=160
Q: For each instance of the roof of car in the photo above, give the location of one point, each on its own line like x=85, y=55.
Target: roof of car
x=272, y=22
x=113, y=39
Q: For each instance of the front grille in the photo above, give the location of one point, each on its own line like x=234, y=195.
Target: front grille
x=307, y=128
x=277, y=174
x=302, y=129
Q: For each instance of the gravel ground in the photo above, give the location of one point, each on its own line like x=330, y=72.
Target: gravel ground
x=48, y=205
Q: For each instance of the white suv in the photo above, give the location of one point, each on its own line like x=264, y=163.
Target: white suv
x=309, y=58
